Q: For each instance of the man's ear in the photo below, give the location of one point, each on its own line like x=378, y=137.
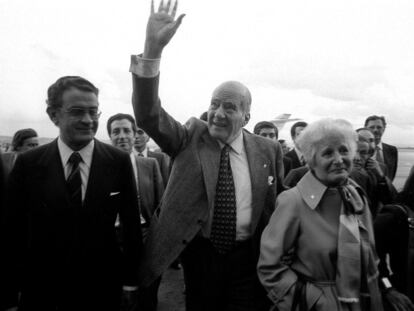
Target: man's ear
x=52, y=113
x=246, y=119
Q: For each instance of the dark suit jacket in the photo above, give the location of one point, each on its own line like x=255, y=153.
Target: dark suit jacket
x=65, y=257
x=294, y=158
x=163, y=162
x=8, y=160
x=287, y=165
x=151, y=186
x=189, y=197
x=392, y=238
x=391, y=159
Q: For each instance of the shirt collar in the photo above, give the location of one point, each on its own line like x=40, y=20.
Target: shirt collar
x=86, y=152
x=379, y=146
x=236, y=145
x=311, y=189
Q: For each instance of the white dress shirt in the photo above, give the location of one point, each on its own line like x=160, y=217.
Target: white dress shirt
x=85, y=165
x=144, y=152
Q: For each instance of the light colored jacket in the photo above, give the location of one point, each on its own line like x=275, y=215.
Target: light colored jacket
x=306, y=220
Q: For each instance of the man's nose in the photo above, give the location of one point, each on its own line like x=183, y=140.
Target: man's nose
x=87, y=118
x=219, y=112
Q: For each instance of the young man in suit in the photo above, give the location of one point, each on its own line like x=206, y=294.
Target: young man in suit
x=140, y=145
x=64, y=198
x=221, y=191
x=150, y=187
x=269, y=130
x=384, y=153
x=295, y=155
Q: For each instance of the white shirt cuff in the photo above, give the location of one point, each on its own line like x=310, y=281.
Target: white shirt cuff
x=144, y=67
x=130, y=288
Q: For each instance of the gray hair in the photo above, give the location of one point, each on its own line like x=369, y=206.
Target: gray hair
x=315, y=134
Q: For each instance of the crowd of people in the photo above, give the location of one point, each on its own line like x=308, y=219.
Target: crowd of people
x=255, y=226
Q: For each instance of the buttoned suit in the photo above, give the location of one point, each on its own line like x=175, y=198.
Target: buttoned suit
x=67, y=257
x=163, y=163
x=150, y=185
x=390, y=154
x=189, y=198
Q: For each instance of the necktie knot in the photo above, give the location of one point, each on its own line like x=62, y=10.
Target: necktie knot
x=75, y=158
x=225, y=151
x=140, y=154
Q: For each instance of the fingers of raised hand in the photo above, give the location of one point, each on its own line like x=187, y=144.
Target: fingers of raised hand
x=166, y=7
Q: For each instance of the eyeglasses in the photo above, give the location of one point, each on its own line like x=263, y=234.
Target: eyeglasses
x=78, y=113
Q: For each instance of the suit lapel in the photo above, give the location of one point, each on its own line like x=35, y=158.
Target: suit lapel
x=209, y=152
x=386, y=155
x=102, y=171
x=143, y=172
x=51, y=174
x=259, y=170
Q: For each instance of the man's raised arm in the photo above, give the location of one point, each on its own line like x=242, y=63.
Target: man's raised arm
x=161, y=27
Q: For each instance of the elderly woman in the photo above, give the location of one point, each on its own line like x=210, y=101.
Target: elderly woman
x=317, y=252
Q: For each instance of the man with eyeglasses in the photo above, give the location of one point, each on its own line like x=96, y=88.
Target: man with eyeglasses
x=140, y=145
x=64, y=198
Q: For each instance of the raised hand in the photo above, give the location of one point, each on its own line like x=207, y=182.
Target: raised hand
x=161, y=28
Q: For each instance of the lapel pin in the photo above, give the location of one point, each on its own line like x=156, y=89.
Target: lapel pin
x=265, y=165
x=312, y=196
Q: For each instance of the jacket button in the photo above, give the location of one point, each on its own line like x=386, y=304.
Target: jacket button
x=199, y=221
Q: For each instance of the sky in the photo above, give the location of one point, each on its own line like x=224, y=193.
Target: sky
x=312, y=59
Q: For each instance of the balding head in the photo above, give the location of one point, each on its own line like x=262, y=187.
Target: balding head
x=229, y=111
x=238, y=89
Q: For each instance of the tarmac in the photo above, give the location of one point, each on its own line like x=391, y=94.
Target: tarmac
x=171, y=291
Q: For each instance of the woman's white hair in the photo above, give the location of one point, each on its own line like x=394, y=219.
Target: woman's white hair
x=316, y=134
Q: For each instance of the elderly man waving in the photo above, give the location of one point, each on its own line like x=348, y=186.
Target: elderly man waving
x=222, y=186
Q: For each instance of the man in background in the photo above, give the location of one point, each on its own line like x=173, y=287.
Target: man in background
x=295, y=155
x=269, y=130
x=384, y=153
x=150, y=188
x=140, y=144
x=23, y=140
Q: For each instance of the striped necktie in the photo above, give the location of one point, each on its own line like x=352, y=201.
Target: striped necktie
x=223, y=229
x=74, y=181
